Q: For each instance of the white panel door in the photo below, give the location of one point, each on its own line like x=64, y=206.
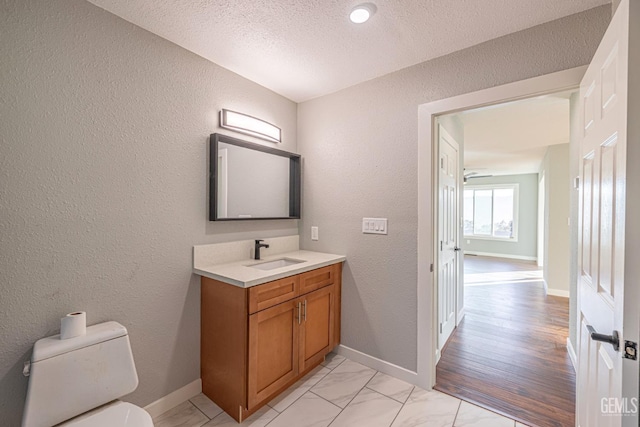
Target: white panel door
x=601, y=269
x=448, y=187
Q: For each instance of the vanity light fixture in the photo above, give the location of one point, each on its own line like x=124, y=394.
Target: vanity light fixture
x=249, y=125
x=362, y=12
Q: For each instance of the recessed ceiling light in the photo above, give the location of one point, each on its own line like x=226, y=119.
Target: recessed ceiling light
x=362, y=13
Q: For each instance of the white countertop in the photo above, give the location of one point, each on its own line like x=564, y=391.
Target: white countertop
x=239, y=273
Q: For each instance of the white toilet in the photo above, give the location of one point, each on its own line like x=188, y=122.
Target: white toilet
x=76, y=381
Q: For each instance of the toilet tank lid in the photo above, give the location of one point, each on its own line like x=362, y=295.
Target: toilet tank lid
x=52, y=346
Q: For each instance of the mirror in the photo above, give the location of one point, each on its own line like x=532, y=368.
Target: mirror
x=251, y=181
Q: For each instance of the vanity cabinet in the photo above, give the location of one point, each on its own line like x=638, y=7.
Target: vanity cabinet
x=258, y=341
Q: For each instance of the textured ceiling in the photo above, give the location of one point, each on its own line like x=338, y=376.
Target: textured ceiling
x=307, y=48
x=512, y=138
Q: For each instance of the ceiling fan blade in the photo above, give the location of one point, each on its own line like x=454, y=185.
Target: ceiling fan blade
x=478, y=176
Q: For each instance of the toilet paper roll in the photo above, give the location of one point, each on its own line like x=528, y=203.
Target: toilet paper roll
x=73, y=325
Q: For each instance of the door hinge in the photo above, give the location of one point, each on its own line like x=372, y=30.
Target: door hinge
x=440, y=327
x=630, y=350
x=431, y=268
x=441, y=245
x=576, y=183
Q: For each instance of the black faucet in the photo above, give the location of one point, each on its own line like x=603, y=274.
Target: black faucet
x=259, y=245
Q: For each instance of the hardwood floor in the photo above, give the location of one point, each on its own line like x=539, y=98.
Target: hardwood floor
x=509, y=353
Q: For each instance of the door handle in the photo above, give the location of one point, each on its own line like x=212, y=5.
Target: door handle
x=455, y=248
x=613, y=339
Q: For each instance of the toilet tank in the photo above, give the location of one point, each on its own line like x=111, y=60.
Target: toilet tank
x=72, y=376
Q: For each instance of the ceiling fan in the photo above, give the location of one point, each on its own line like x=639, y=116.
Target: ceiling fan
x=473, y=175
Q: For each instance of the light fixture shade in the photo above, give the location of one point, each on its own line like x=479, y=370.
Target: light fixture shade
x=361, y=13
x=249, y=125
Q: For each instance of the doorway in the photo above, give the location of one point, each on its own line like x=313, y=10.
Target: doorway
x=426, y=296
x=514, y=333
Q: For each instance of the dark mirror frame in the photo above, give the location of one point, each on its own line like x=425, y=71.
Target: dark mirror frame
x=294, y=176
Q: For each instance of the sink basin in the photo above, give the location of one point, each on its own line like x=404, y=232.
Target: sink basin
x=276, y=263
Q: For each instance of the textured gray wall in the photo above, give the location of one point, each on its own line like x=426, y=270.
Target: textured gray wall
x=527, y=244
x=103, y=185
x=360, y=159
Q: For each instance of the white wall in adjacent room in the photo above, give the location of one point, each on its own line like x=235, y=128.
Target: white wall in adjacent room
x=557, y=257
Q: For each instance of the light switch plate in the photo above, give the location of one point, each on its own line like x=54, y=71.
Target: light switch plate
x=314, y=233
x=374, y=226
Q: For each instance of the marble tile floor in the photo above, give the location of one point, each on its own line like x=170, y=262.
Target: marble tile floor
x=343, y=393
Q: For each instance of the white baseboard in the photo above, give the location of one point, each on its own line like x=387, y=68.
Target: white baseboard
x=557, y=292
x=494, y=255
x=572, y=355
x=460, y=316
x=378, y=364
x=175, y=398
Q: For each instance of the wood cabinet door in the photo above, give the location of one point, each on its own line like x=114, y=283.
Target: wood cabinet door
x=317, y=327
x=273, y=350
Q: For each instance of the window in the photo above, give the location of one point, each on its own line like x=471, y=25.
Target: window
x=490, y=211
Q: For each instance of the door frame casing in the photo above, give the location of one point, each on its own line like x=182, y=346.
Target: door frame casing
x=427, y=302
